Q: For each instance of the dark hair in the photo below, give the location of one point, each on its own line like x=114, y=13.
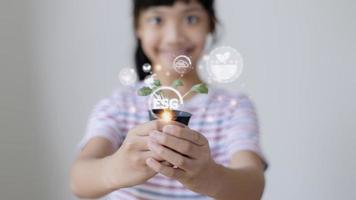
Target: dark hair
x=139, y=5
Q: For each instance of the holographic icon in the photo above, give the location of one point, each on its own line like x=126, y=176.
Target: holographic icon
x=182, y=64
x=162, y=107
x=127, y=76
x=158, y=100
x=146, y=67
x=224, y=65
x=150, y=79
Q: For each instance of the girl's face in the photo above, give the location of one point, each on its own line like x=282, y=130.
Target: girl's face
x=168, y=31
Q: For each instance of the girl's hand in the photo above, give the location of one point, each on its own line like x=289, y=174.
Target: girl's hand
x=127, y=165
x=188, y=151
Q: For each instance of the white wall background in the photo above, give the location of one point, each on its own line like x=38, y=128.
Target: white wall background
x=58, y=58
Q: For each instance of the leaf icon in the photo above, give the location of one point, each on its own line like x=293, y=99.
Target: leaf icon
x=223, y=57
x=177, y=83
x=200, y=88
x=144, y=91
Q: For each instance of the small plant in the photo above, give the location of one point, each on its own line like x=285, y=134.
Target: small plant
x=168, y=113
x=200, y=88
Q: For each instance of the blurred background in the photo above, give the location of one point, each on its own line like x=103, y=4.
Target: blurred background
x=58, y=58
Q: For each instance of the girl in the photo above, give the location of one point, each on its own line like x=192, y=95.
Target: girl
x=123, y=154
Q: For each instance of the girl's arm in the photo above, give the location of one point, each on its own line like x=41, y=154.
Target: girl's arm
x=90, y=175
x=244, y=179
x=100, y=169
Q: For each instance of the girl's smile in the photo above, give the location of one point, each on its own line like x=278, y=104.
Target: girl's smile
x=168, y=54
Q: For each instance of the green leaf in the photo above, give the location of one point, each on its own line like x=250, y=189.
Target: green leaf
x=200, y=88
x=177, y=83
x=154, y=88
x=157, y=83
x=144, y=91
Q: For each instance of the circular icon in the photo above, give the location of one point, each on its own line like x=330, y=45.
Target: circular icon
x=182, y=64
x=150, y=79
x=127, y=76
x=157, y=100
x=225, y=65
x=146, y=67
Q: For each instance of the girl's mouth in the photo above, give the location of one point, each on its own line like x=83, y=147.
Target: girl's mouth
x=170, y=55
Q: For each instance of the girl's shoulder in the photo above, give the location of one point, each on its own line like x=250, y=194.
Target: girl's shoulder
x=228, y=92
x=223, y=96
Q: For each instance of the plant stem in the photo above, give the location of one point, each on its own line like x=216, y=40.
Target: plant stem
x=186, y=94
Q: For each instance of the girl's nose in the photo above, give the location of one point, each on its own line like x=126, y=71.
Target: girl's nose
x=174, y=35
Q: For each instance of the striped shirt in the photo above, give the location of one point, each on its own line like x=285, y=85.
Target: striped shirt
x=227, y=119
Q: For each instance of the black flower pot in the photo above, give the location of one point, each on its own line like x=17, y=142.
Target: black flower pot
x=178, y=116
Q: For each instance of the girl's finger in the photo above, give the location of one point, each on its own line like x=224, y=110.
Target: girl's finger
x=150, y=154
x=185, y=133
x=145, y=128
x=172, y=157
x=177, y=144
x=138, y=143
x=170, y=172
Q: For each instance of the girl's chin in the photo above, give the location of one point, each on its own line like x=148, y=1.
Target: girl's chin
x=166, y=59
x=166, y=64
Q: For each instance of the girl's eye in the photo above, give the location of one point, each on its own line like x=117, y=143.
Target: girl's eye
x=191, y=19
x=155, y=20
